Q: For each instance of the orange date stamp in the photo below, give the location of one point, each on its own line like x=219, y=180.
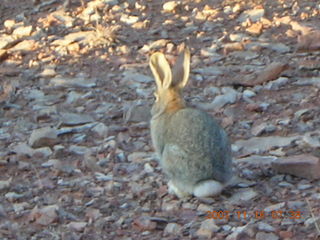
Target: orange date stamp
x=259, y=215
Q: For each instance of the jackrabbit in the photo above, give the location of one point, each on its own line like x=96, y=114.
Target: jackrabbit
x=194, y=150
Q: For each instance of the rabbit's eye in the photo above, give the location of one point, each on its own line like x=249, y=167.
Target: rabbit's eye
x=156, y=96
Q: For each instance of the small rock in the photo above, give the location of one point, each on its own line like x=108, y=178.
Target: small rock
x=132, y=77
x=71, y=119
x=48, y=72
x=309, y=41
x=25, y=46
x=23, y=31
x=255, y=28
x=80, y=150
x=263, y=144
x=170, y=6
x=9, y=24
x=13, y=196
x=209, y=71
x=129, y=19
x=137, y=157
x=243, y=195
x=248, y=93
x=263, y=128
x=265, y=227
x=81, y=82
x=5, y=184
x=266, y=236
x=271, y=72
x=277, y=84
x=172, y=229
x=242, y=232
x=304, y=165
x=43, y=152
x=144, y=223
x=275, y=207
x=204, y=208
x=254, y=15
x=23, y=149
x=229, y=97
x=148, y=168
x=77, y=226
x=43, y=137
x=19, y=207
x=100, y=130
x=137, y=112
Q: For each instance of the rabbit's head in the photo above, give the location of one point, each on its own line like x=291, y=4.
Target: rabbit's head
x=169, y=83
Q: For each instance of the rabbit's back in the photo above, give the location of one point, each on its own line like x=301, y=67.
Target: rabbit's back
x=202, y=145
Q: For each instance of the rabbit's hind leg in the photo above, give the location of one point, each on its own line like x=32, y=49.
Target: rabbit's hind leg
x=207, y=188
x=174, y=190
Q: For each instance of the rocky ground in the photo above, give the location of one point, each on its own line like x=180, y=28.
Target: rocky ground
x=76, y=160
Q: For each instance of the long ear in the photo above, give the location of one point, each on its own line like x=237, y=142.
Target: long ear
x=181, y=69
x=161, y=70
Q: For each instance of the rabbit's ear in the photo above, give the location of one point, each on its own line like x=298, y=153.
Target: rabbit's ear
x=181, y=69
x=161, y=70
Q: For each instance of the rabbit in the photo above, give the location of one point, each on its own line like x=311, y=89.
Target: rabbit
x=193, y=149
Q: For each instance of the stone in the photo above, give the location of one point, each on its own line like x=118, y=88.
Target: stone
x=266, y=236
x=100, y=130
x=230, y=96
x=137, y=112
x=255, y=28
x=131, y=77
x=277, y=84
x=71, y=119
x=209, y=71
x=304, y=165
x=254, y=15
x=48, y=72
x=309, y=41
x=6, y=41
x=263, y=128
x=128, y=19
x=243, y=195
x=172, y=229
x=81, y=82
x=43, y=137
x=271, y=72
x=275, y=207
x=170, y=6
x=22, y=31
x=25, y=46
x=77, y=226
x=262, y=226
x=248, y=93
x=263, y=144
x=43, y=152
x=23, y=149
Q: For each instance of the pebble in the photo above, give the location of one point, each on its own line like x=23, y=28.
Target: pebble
x=22, y=31
x=254, y=15
x=43, y=137
x=170, y=6
x=275, y=207
x=248, y=93
x=263, y=128
x=304, y=165
x=265, y=227
x=172, y=229
x=266, y=236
